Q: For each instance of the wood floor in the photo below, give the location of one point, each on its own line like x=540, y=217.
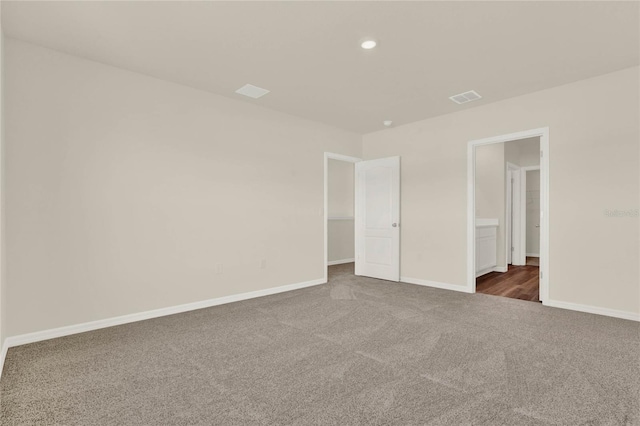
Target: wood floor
x=520, y=282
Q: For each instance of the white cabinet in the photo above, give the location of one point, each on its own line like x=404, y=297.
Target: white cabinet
x=486, y=245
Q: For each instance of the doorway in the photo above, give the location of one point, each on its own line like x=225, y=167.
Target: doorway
x=339, y=214
x=362, y=216
x=516, y=274
x=507, y=218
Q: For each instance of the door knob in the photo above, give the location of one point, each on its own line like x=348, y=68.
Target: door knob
x=394, y=225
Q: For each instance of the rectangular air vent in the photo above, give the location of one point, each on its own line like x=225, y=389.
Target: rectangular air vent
x=252, y=91
x=465, y=97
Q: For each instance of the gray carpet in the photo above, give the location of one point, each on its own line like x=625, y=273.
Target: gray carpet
x=355, y=351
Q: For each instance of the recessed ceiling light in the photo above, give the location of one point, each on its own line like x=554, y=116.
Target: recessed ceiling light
x=368, y=44
x=252, y=91
x=465, y=97
x=387, y=123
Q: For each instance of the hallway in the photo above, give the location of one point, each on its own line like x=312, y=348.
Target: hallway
x=520, y=282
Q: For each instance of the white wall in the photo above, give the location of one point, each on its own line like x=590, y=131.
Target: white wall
x=523, y=152
x=340, y=241
x=340, y=232
x=594, y=164
x=124, y=192
x=533, y=212
x=491, y=191
x=341, y=188
x=526, y=153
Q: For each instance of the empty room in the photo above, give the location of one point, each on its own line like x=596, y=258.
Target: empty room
x=335, y=213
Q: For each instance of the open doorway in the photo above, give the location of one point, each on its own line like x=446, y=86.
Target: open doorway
x=362, y=216
x=340, y=218
x=507, y=221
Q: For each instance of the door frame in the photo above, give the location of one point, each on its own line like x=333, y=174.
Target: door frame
x=513, y=207
x=543, y=134
x=332, y=156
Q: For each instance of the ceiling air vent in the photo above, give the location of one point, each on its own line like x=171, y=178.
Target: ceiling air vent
x=465, y=97
x=252, y=91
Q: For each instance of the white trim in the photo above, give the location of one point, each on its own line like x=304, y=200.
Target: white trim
x=340, y=157
x=140, y=316
x=550, y=303
x=632, y=316
x=525, y=134
x=484, y=223
x=435, y=284
x=512, y=200
x=4, y=347
x=545, y=174
x=341, y=218
x=500, y=269
x=483, y=272
x=533, y=254
x=543, y=133
x=519, y=234
x=327, y=157
x=471, y=218
x=340, y=262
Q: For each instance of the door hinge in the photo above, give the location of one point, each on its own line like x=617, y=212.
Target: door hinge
x=540, y=274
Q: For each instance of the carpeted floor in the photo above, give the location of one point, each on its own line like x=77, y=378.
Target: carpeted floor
x=355, y=351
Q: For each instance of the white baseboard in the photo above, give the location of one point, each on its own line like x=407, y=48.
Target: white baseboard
x=500, y=269
x=340, y=262
x=593, y=310
x=435, y=284
x=485, y=271
x=532, y=254
x=4, y=347
x=124, y=319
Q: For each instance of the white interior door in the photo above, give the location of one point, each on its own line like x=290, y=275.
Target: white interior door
x=377, y=218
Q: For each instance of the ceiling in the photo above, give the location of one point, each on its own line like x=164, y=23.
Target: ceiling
x=308, y=55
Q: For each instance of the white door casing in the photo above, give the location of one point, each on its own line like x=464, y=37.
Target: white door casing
x=543, y=133
x=377, y=218
x=509, y=213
